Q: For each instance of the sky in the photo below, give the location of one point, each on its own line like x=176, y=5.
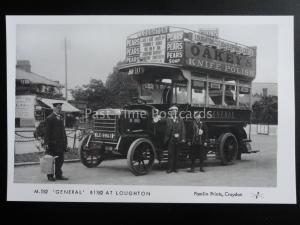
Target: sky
x=93, y=50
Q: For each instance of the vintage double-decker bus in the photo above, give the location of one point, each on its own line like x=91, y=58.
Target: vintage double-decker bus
x=196, y=72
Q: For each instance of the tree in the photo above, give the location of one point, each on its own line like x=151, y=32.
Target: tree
x=265, y=110
x=118, y=91
x=94, y=93
x=121, y=88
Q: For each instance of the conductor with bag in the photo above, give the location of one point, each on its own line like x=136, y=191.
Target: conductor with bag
x=199, y=142
x=56, y=141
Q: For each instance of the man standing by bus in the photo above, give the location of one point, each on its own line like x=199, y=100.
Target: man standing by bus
x=56, y=140
x=175, y=134
x=200, y=136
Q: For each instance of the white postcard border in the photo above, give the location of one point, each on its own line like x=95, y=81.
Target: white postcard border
x=285, y=192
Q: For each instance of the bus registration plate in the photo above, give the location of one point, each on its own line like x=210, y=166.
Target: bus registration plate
x=104, y=135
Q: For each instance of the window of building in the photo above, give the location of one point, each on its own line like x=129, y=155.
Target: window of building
x=198, y=92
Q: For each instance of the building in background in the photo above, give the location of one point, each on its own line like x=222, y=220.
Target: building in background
x=265, y=89
x=28, y=82
x=260, y=90
x=35, y=95
x=265, y=103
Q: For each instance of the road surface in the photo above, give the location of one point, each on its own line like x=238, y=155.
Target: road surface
x=254, y=170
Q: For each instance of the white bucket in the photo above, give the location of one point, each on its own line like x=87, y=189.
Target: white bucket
x=47, y=164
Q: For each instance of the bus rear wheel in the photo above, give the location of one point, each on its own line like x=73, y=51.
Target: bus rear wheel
x=228, y=148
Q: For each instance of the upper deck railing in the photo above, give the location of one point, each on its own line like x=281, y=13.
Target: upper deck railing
x=185, y=47
x=202, y=38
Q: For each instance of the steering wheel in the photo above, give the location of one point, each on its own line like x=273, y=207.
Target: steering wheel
x=140, y=99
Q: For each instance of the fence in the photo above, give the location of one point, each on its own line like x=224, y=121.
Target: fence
x=26, y=143
x=262, y=129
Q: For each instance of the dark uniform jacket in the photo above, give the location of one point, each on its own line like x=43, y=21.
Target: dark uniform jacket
x=173, y=128
x=199, y=139
x=55, y=138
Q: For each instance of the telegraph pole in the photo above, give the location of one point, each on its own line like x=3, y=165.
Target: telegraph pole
x=66, y=69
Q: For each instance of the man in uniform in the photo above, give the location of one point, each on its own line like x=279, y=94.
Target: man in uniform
x=200, y=136
x=56, y=140
x=175, y=134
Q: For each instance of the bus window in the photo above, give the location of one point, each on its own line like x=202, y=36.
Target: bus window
x=146, y=91
x=230, y=95
x=215, y=94
x=152, y=92
x=167, y=95
x=198, y=92
x=244, y=96
x=180, y=94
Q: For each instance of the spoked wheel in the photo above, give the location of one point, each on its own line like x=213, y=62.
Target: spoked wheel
x=228, y=147
x=90, y=157
x=141, y=156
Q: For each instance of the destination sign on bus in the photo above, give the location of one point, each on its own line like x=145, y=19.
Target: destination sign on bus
x=210, y=32
x=153, y=31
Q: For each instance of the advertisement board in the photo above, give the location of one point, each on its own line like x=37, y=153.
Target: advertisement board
x=215, y=59
x=153, y=48
x=25, y=106
x=174, y=53
x=153, y=31
x=191, y=49
x=210, y=32
x=132, y=50
x=221, y=44
x=162, y=48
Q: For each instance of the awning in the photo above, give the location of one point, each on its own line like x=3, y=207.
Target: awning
x=66, y=106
